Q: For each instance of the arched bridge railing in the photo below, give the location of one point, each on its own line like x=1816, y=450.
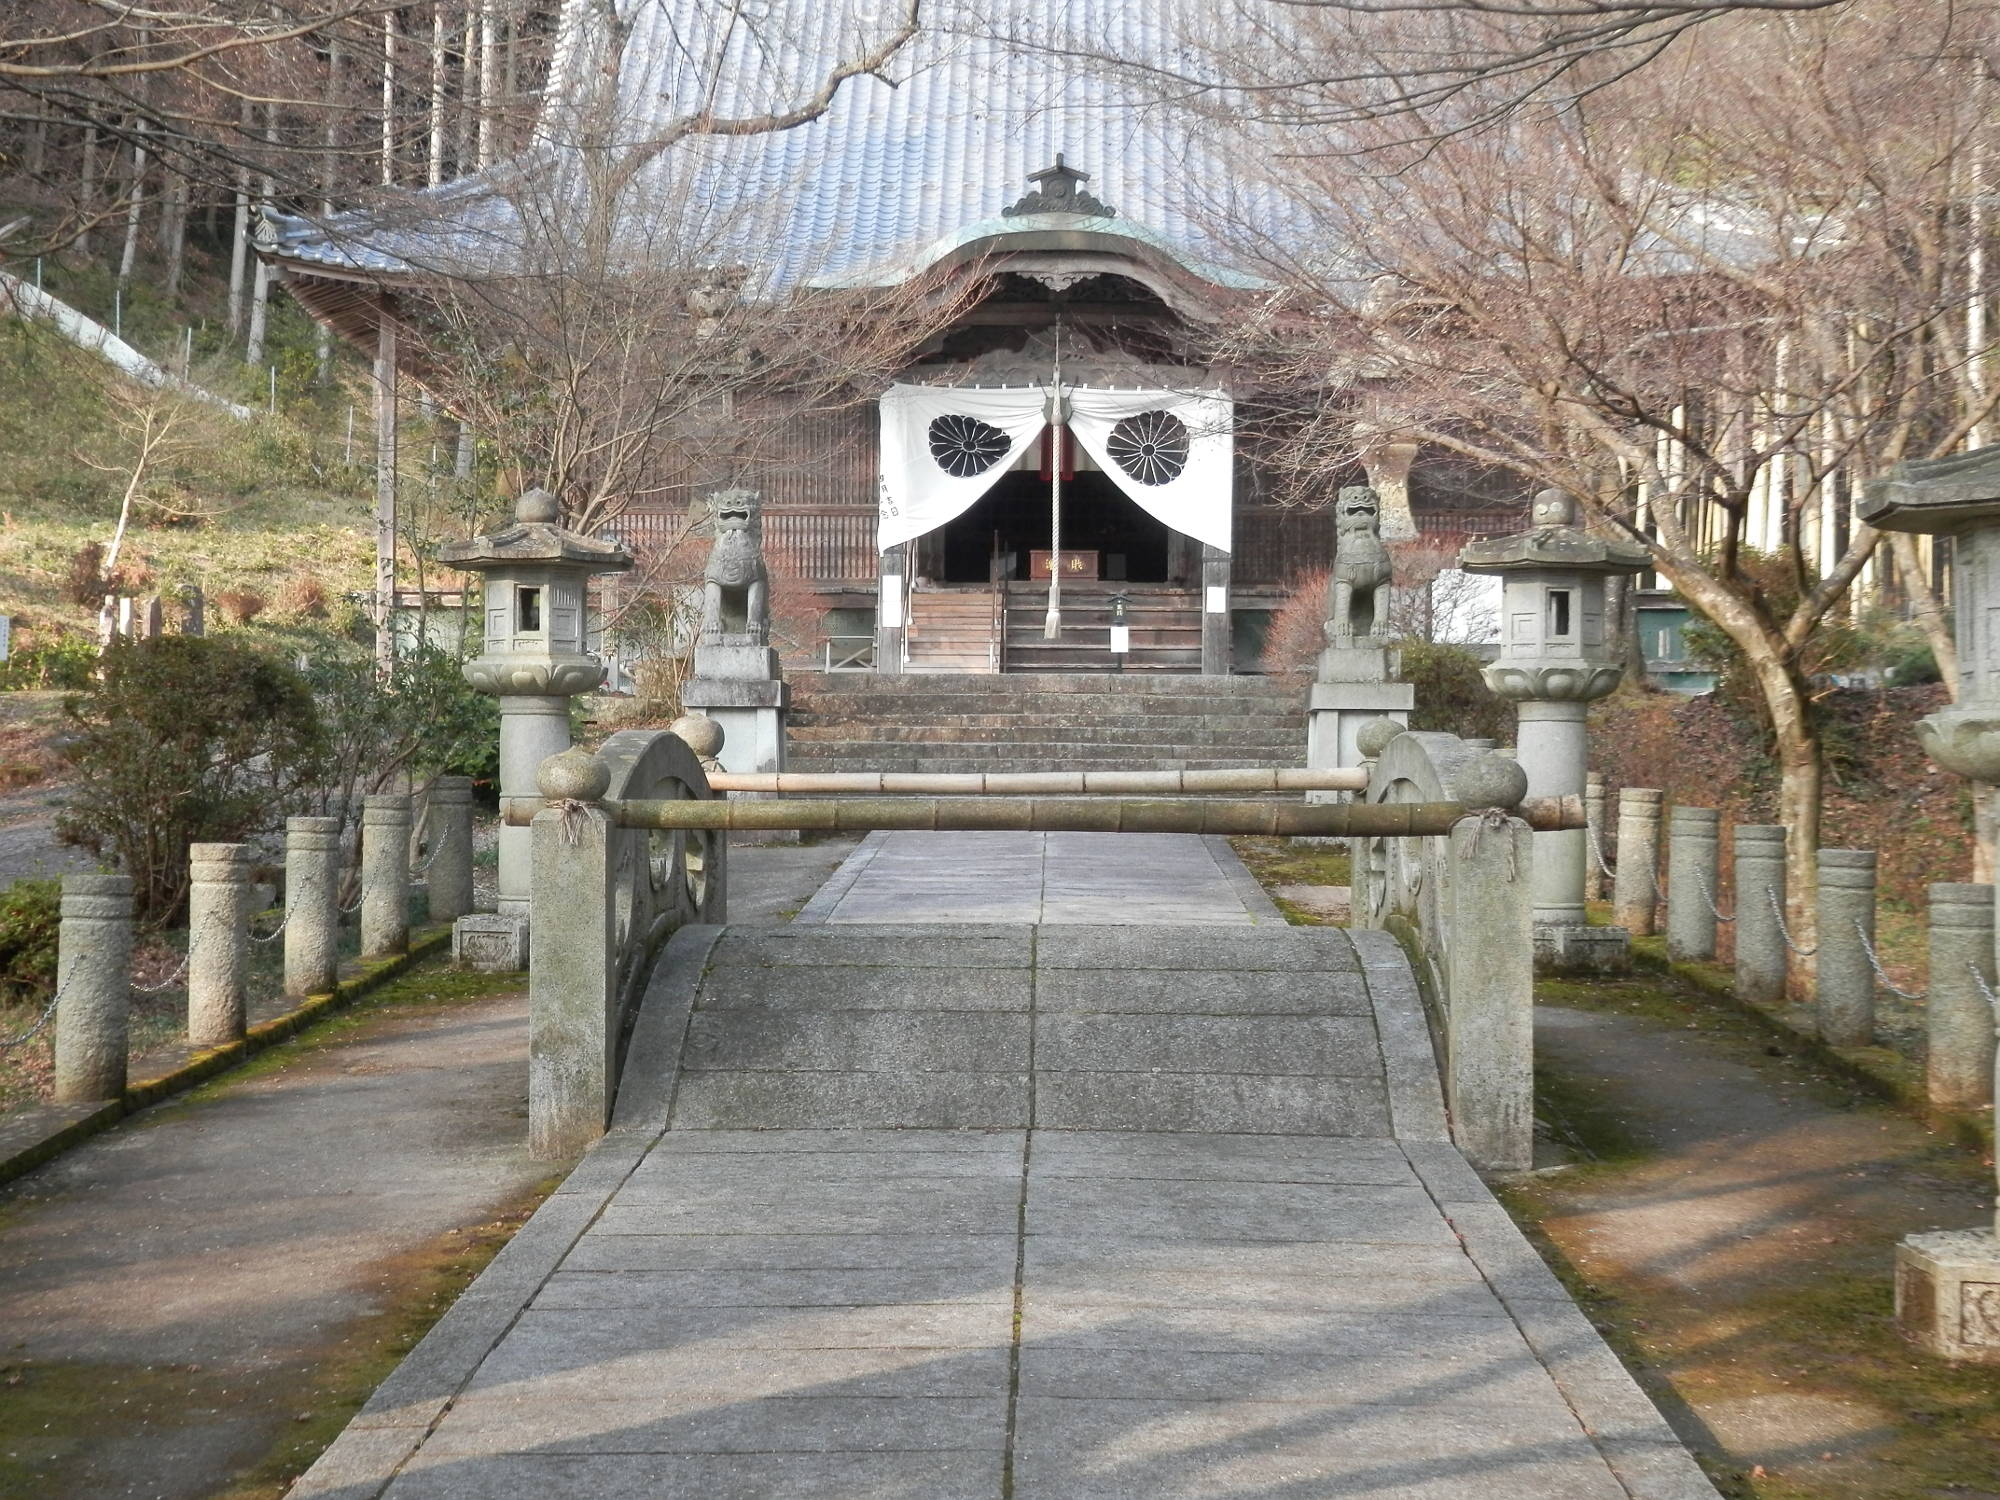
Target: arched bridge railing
x=1459, y=900
x=606, y=897
x=629, y=846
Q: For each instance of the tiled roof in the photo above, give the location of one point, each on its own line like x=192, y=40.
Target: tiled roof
x=900, y=169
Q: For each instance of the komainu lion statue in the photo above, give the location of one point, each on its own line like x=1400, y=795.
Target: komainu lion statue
x=1360, y=566
x=735, y=584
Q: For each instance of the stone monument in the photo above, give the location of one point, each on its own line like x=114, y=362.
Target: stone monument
x=536, y=576
x=1948, y=1282
x=1356, y=679
x=736, y=679
x=1556, y=657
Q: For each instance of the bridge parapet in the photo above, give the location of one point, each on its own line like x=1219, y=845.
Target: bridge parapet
x=1462, y=905
x=606, y=897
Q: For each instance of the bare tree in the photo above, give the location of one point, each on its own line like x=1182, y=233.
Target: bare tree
x=1706, y=301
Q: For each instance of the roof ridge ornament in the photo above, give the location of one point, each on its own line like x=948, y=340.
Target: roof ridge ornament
x=1057, y=190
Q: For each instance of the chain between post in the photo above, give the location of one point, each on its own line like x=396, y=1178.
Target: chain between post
x=1778, y=913
x=1597, y=851
x=1709, y=897
x=1875, y=963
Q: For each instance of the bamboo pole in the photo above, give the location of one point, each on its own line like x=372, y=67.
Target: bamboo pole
x=1066, y=815
x=1039, y=783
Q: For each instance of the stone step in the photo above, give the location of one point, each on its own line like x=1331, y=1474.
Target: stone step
x=1059, y=710
x=1103, y=684
x=1220, y=734
x=893, y=1027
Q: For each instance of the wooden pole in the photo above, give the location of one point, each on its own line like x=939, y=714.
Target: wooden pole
x=1065, y=815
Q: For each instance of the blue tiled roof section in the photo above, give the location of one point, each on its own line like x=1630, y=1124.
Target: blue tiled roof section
x=900, y=170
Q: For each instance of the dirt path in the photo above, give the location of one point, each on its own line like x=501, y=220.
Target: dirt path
x=193, y=1304
x=1738, y=1229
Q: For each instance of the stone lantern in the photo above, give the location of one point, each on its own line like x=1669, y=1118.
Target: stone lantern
x=536, y=576
x=1556, y=657
x=1948, y=1282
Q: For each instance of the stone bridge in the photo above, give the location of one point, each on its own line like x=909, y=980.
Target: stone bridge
x=1099, y=1181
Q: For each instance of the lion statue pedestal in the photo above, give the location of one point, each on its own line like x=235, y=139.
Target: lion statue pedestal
x=1357, y=676
x=737, y=681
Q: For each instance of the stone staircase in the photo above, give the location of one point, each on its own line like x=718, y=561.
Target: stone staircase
x=1165, y=625
x=1105, y=721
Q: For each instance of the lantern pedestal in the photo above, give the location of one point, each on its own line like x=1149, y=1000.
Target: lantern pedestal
x=536, y=577
x=1948, y=1294
x=1556, y=659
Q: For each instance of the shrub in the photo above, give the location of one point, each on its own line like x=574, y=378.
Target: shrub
x=423, y=720
x=1452, y=694
x=30, y=917
x=85, y=584
x=61, y=661
x=241, y=605
x=187, y=740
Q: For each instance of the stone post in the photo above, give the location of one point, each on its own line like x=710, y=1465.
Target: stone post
x=385, y=876
x=1635, y=892
x=1760, y=897
x=94, y=986
x=218, y=942
x=1958, y=1017
x=572, y=979
x=1693, y=837
x=1490, y=980
x=449, y=871
x=1845, y=1011
x=1593, y=807
x=312, y=905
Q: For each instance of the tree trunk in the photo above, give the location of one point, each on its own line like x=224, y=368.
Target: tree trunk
x=86, y=188
x=239, y=248
x=1797, y=752
x=135, y=207
x=173, y=231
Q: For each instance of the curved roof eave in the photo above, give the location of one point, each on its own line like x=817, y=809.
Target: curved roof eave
x=1003, y=234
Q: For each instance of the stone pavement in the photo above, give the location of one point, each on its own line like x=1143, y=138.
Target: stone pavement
x=1042, y=877
x=1067, y=1210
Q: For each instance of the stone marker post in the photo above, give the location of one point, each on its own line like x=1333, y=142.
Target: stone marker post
x=385, y=876
x=1635, y=893
x=533, y=660
x=218, y=942
x=1693, y=835
x=1846, y=992
x=1948, y=1284
x=1760, y=897
x=1593, y=810
x=1958, y=1072
x=312, y=905
x=448, y=874
x=1557, y=657
x=94, y=987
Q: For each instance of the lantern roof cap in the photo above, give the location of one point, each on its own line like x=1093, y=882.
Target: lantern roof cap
x=537, y=536
x=1556, y=541
x=1936, y=495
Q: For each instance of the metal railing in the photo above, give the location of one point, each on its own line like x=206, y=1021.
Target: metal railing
x=848, y=653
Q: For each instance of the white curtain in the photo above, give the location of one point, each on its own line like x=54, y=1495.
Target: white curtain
x=1173, y=452
x=919, y=492
x=1175, y=456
